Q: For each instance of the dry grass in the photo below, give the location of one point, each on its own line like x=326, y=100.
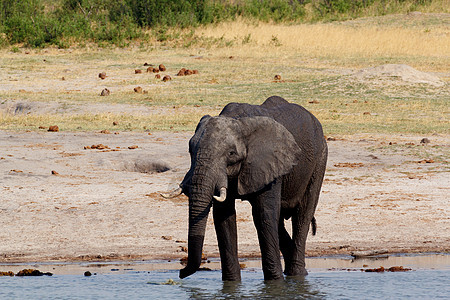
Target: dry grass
x=342, y=41
x=313, y=60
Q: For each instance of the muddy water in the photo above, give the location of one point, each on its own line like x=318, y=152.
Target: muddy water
x=329, y=278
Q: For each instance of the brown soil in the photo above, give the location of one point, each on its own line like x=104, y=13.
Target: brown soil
x=59, y=201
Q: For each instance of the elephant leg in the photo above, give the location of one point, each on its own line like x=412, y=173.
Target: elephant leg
x=286, y=244
x=266, y=215
x=301, y=222
x=224, y=214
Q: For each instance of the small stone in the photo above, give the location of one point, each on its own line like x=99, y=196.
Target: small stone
x=182, y=72
x=138, y=89
x=105, y=92
x=425, y=141
x=277, y=77
x=102, y=75
x=167, y=78
x=53, y=128
x=158, y=76
x=115, y=123
x=55, y=173
x=137, y=71
x=133, y=147
x=167, y=237
x=150, y=70
x=87, y=273
x=162, y=68
x=105, y=131
x=314, y=102
x=366, y=113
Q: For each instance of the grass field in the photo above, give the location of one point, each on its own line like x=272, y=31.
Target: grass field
x=237, y=62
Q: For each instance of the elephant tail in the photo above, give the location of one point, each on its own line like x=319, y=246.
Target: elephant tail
x=314, y=226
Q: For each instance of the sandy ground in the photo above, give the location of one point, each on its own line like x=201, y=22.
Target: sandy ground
x=381, y=193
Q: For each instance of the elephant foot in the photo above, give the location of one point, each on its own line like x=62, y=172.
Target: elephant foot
x=187, y=271
x=231, y=277
x=300, y=271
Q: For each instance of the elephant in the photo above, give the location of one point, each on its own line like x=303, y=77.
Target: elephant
x=274, y=156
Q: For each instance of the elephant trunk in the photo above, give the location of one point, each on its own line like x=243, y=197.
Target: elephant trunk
x=203, y=187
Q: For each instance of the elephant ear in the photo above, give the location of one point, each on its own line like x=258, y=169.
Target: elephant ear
x=271, y=153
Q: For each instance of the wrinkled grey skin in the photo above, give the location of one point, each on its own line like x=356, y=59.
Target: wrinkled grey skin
x=273, y=155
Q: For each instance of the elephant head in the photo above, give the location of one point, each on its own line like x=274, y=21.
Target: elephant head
x=235, y=157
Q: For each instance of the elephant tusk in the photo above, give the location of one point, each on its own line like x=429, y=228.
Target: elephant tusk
x=223, y=195
x=172, y=194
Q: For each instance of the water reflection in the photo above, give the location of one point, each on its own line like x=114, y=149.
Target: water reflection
x=253, y=288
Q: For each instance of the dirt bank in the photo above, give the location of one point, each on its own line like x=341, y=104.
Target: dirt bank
x=60, y=201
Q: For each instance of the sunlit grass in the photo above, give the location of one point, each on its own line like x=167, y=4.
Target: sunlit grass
x=313, y=61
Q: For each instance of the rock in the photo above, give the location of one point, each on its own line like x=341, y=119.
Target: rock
x=182, y=72
x=167, y=237
x=138, y=89
x=155, y=70
x=349, y=165
x=162, y=68
x=425, y=141
x=314, y=102
x=188, y=72
x=398, y=269
x=366, y=113
x=32, y=272
x=105, y=131
x=55, y=173
x=195, y=72
x=133, y=147
x=377, y=270
x=115, y=123
x=158, y=76
x=137, y=71
x=150, y=70
x=99, y=147
x=426, y=161
x=277, y=77
x=368, y=253
x=9, y=273
x=102, y=75
x=53, y=128
x=105, y=92
x=87, y=273
x=166, y=78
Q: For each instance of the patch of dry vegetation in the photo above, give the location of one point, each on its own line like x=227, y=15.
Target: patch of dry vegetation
x=237, y=62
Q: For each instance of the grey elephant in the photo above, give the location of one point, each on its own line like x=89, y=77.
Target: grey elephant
x=272, y=155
